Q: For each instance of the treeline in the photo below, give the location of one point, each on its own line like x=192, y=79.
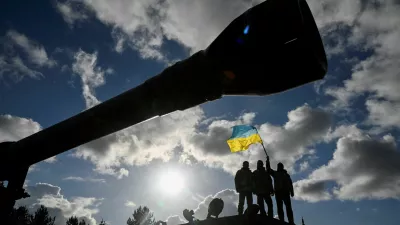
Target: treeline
x=22, y=216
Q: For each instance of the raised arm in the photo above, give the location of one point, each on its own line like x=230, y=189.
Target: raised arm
x=268, y=167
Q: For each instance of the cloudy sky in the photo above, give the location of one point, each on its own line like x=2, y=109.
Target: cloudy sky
x=337, y=137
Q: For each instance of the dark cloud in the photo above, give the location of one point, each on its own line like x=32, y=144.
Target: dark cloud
x=311, y=191
x=362, y=167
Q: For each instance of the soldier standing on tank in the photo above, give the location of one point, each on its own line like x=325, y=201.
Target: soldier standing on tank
x=243, y=184
x=283, y=190
x=263, y=188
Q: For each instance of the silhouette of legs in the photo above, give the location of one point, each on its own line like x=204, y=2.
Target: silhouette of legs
x=289, y=212
x=267, y=199
x=284, y=198
x=270, y=205
x=242, y=196
x=249, y=198
x=241, y=203
x=260, y=202
x=279, y=205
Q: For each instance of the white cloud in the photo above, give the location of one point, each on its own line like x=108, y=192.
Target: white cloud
x=362, y=168
x=33, y=168
x=70, y=13
x=377, y=77
x=74, y=178
x=141, y=143
x=120, y=39
x=344, y=131
x=14, y=128
x=372, y=27
x=333, y=12
x=159, y=138
x=110, y=71
x=175, y=220
x=16, y=69
x=64, y=68
x=11, y=63
x=230, y=198
x=304, y=166
x=91, y=75
x=384, y=113
x=52, y=159
x=130, y=204
x=342, y=97
x=88, y=179
x=143, y=24
x=36, y=52
x=122, y=173
x=58, y=206
x=305, y=127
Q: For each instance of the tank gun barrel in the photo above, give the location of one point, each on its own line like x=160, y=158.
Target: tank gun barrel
x=272, y=47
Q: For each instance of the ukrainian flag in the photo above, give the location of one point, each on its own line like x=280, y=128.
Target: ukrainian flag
x=242, y=137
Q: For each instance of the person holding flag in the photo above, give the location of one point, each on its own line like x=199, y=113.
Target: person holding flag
x=242, y=137
x=283, y=186
x=263, y=188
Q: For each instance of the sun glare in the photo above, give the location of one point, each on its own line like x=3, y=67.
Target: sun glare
x=172, y=182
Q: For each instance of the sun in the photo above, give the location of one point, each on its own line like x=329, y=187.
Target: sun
x=171, y=182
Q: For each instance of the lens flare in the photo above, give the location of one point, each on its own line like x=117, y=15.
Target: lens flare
x=246, y=29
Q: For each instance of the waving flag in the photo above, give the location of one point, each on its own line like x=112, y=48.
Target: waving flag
x=242, y=137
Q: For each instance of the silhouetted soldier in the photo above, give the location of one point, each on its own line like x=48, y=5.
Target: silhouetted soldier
x=243, y=184
x=263, y=188
x=283, y=190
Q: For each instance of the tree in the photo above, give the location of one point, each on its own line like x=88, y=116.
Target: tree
x=72, y=221
x=102, y=222
x=20, y=216
x=141, y=216
x=42, y=217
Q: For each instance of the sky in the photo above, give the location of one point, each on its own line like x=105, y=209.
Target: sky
x=337, y=137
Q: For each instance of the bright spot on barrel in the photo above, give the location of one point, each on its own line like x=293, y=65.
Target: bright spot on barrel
x=246, y=29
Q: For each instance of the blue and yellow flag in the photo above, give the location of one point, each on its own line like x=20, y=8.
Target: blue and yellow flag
x=242, y=137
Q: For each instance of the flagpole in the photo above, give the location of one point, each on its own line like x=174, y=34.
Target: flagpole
x=262, y=142
x=264, y=149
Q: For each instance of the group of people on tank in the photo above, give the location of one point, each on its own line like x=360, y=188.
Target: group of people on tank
x=259, y=182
